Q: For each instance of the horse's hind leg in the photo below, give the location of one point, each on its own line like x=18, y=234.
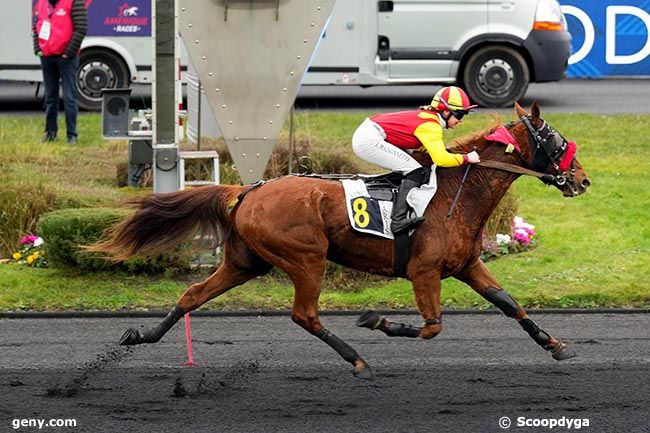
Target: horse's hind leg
x=306, y=269
x=481, y=280
x=239, y=266
x=307, y=283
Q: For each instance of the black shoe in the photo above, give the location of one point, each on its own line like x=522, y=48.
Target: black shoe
x=72, y=140
x=398, y=227
x=49, y=136
x=400, y=221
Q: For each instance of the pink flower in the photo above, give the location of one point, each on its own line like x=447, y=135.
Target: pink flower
x=29, y=239
x=529, y=232
x=522, y=231
x=522, y=236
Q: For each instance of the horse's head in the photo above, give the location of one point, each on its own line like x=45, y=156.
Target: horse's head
x=544, y=150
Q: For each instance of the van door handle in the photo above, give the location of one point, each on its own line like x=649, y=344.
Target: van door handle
x=385, y=6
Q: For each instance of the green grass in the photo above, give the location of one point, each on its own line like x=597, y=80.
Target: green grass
x=593, y=250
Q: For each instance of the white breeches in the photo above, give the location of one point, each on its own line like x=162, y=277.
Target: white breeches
x=369, y=143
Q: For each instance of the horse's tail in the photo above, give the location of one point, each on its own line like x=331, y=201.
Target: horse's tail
x=163, y=221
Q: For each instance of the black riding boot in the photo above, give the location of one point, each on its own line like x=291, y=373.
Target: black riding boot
x=400, y=223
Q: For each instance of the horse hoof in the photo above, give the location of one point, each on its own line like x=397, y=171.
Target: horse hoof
x=364, y=372
x=131, y=337
x=564, y=352
x=369, y=319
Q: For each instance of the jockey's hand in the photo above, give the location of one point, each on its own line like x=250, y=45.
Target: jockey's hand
x=473, y=157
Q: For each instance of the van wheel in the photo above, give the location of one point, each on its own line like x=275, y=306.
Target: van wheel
x=99, y=69
x=496, y=76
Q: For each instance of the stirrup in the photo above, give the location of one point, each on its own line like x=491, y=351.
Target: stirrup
x=398, y=227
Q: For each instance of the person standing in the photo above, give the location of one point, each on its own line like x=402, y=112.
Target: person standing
x=59, y=27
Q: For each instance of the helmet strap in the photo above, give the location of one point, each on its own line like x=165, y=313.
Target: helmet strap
x=446, y=118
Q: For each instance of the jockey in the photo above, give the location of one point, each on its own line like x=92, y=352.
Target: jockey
x=387, y=139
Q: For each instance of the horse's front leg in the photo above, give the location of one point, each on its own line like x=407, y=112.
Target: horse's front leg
x=427, y=296
x=479, y=278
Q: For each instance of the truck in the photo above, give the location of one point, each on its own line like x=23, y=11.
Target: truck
x=491, y=48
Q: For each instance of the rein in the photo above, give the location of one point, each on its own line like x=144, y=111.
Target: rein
x=539, y=141
x=547, y=178
x=516, y=169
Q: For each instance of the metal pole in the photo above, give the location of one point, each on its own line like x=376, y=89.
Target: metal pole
x=164, y=90
x=198, y=123
x=291, y=139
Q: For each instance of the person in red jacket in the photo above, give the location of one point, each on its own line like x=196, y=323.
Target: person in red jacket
x=386, y=140
x=59, y=27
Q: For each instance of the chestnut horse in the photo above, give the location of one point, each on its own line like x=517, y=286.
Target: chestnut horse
x=298, y=223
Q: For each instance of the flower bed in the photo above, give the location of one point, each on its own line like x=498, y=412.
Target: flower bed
x=521, y=238
x=32, y=252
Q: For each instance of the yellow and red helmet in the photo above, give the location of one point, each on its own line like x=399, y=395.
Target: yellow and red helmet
x=451, y=98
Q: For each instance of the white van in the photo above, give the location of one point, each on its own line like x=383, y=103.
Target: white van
x=491, y=48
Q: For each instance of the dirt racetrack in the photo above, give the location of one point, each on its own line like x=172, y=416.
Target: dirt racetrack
x=264, y=374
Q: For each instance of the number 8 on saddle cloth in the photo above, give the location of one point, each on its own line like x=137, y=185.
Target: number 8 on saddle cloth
x=370, y=211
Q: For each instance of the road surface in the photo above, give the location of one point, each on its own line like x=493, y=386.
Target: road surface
x=265, y=374
x=584, y=96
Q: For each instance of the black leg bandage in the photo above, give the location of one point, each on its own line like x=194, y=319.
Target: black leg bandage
x=540, y=336
x=372, y=320
x=135, y=336
x=341, y=347
x=401, y=330
x=502, y=300
x=154, y=334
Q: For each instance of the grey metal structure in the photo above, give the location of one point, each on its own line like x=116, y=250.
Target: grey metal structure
x=165, y=115
x=251, y=56
x=117, y=126
x=211, y=155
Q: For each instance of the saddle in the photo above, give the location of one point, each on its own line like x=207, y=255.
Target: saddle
x=383, y=187
x=380, y=186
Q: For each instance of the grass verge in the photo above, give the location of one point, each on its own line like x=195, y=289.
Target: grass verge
x=593, y=251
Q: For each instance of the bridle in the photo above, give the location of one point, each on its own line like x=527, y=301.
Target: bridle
x=555, y=147
x=548, y=147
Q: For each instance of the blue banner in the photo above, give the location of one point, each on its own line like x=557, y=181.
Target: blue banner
x=610, y=37
x=119, y=17
x=116, y=17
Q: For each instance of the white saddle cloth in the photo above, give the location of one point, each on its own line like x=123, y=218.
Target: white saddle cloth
x=370, y=215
